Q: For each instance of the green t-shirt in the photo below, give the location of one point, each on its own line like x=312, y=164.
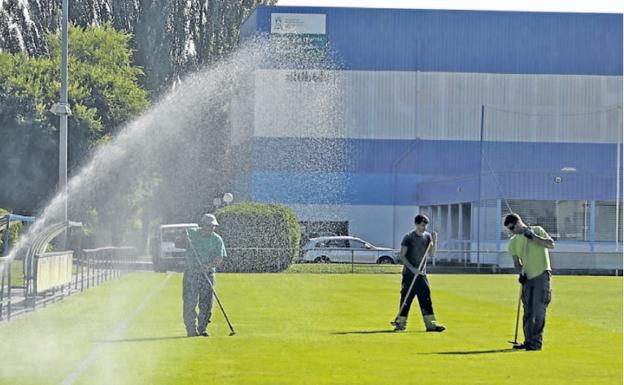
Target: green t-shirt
x=210, y=249
x=533, y=257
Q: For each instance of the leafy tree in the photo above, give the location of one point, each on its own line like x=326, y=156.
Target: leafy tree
x=170, y=37
x=103, y=94
x=14, y=230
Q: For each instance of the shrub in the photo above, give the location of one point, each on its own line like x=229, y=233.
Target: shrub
x=258, y=237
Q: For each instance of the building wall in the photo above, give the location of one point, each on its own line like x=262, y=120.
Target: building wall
x=399, y=124
x=447, y=106
x=464, y=41
x=416, y=149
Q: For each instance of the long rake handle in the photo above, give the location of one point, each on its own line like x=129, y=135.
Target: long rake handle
x=515, y=341
x=420, y=269
x=232, y=331
x=214, y=292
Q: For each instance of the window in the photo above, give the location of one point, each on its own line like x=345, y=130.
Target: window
x=357, y=244
x=606, y=213
x=171, y=235
x=572, y=220
x=337, y=243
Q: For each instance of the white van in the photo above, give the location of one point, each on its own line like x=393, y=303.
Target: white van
x=165, y=254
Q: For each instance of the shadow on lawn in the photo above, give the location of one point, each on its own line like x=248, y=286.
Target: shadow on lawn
x=390, y=331
x=509, y=350
x=144, y=339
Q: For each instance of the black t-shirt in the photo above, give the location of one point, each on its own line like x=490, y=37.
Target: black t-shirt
x=416, y=246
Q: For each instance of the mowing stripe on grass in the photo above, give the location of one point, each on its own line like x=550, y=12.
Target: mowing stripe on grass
x=84, y=364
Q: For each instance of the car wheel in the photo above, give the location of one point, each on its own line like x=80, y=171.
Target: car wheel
x=385, y=260
x=322, y=259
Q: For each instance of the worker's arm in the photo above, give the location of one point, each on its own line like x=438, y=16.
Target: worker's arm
x=522, y=277
x=219, y=258
x=434, y=243
x=215, y=260
x=403, y=258
x=542, y=239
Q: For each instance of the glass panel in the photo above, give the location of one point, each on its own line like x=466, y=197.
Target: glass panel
x=571, y=223
x=605, y=221
x=357, y=244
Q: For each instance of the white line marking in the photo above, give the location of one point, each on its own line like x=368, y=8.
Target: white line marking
x=97, y=349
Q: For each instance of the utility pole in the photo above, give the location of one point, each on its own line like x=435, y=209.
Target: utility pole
x=63, y=111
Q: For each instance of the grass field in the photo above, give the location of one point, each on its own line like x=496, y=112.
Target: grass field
x=344, y=268
x=315, y=329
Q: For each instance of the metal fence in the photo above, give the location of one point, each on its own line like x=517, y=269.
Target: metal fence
x=56, y=275
x=488, y=260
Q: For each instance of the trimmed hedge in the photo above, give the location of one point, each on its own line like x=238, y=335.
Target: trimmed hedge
x=258, y=237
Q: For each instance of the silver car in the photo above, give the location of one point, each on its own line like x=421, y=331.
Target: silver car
x=345, y=249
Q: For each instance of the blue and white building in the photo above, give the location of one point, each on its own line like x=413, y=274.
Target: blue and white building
x=458, y=114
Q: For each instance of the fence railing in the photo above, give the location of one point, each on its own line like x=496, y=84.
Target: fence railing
x=487, y=260
x=54, y=275
x=102, y=264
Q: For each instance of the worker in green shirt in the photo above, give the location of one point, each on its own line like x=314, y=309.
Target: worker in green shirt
x=204, y=252
x=529, y=249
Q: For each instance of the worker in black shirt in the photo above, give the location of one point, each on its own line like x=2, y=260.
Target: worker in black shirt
x=414, y=282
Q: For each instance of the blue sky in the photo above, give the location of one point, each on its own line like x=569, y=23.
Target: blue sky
x=607, y=6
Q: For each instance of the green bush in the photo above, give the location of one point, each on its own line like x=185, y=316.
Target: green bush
x=258, y=237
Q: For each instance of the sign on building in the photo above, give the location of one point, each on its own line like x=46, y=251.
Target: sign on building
x=297, y=35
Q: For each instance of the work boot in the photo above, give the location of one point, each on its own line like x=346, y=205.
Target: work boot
x=400, y=323
x=431, y=325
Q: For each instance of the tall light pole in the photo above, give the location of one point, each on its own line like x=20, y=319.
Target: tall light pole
x=63, y=111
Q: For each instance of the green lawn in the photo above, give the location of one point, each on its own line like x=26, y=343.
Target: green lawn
x=316, y=329
x=342, y=268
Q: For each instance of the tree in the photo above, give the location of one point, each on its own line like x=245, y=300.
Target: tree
x=170, y=37
x=103, y=94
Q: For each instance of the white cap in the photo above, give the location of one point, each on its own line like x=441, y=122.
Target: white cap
x=209, y=219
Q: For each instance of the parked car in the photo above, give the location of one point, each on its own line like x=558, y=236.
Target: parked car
x=346, y=249
x=165, y=254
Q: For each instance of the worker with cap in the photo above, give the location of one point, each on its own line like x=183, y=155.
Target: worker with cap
x=204, y=252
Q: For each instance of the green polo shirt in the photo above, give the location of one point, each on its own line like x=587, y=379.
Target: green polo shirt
x=210, y=249
x=535, y=260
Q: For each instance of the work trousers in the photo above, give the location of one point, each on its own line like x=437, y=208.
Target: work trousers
x=420, y=289
x=197, y=293
x=536, y=295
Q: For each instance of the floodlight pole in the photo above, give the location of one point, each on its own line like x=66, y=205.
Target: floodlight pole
x=479, y=189
x=63, y=111
x=618, y=181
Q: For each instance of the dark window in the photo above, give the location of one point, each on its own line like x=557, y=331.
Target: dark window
x=337, y=243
